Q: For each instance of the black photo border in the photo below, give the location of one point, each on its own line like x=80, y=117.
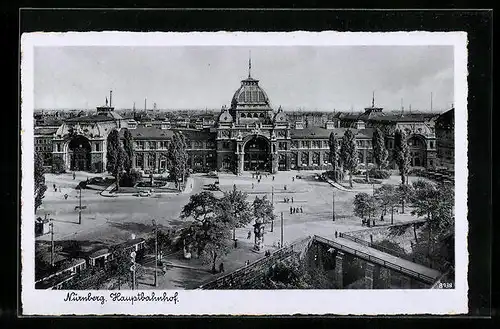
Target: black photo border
x=477, y=23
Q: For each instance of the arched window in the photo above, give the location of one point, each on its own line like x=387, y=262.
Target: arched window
x=261, y=115
x=243, y=115
x=255, y=115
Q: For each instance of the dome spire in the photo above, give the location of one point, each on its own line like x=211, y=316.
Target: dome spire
x=249, y=63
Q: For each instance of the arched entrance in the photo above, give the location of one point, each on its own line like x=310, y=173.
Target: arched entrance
x=257, y=154
x=79, y=154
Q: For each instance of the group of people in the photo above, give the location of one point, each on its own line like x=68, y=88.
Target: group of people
x=287, y=200
x=296, y=210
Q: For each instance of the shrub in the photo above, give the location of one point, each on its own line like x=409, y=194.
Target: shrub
x=130, y=179
x=417, y=172
x=379, y=174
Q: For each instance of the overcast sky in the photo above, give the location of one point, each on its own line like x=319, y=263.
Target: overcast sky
x=313, y=78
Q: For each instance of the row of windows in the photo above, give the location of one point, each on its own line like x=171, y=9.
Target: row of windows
x=252, y=115
x=163, y=145
x=43, y=141
x=43, y=148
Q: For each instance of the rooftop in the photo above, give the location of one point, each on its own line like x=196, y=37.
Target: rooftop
x=142, y=132
x=319, y=132
x=91, y=118
x=45, y=130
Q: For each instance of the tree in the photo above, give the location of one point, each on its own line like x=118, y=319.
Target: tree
x=235, y=209
x=40, y=186
x=349, y=153
x=333, y=143
x=364, y=206
x=436, y=203
x=115, y=155
x=177, y=158
x=120, y=266
x=263, y=209
x=387, y=198
x=401, y=154
x=380, y=153
x=201, y=207
x=58, y=165
x=128, y=146
x=405, y=193
x=215, y=242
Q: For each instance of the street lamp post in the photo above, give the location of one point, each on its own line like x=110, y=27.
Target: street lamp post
x=80, y=206
x=272, y=202
x=281, y=229
x=156, y=252
x=333, y=206
x=51, y=244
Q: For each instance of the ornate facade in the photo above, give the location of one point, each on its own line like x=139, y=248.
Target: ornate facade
x=248, y=135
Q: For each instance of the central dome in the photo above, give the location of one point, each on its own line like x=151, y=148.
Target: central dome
x=250, y=93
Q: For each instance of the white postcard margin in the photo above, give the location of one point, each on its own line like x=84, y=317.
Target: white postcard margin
x=248, y=302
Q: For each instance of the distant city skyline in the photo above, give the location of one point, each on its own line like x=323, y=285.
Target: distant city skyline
x=326, y=78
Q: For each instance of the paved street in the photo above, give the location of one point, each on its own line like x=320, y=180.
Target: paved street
x=111, y=220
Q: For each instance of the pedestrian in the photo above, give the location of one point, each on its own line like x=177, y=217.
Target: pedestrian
x=291, y=209
x=54, y=187
x=249, y=235
x=336, y=234
x=301, y=209
x=273, y=178
x=292, y=199
x=66, y=196
x=258, y=181
x=74, y=175
x=293, y=179
x=285, y=188
x=221, y=268
x=253, y=175
x=373, y=222
x=247, y=263
x=252, y=186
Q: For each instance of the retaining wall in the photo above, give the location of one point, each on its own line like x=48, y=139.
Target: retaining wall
x=252, y=274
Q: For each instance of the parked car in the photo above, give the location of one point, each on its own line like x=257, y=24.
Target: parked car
x=213, y=174
x=144, y=193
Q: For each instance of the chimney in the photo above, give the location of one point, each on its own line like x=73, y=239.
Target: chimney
x=110, y=98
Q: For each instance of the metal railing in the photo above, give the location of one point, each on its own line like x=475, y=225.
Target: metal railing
x=376, y=260
x=283, y=252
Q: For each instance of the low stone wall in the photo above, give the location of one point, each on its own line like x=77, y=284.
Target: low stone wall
x=400, y=233
x=252, y=274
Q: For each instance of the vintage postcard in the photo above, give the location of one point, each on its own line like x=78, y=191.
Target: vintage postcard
x=244, y=173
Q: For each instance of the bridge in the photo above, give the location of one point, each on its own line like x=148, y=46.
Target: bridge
x=371, y=255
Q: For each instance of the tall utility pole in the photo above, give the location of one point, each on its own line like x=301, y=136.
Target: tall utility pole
x=272, y=202
x=156, y=253
x=51, y=244
x=333, y=206
x=80, y=206
x=431, y=101
x=281, y=229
